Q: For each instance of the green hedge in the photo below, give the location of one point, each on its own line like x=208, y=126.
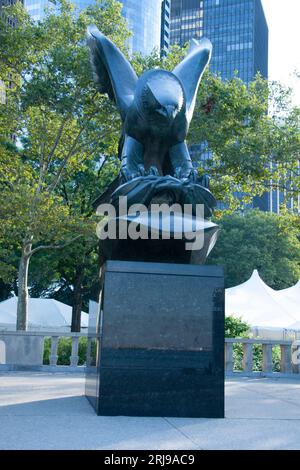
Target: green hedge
x=64, y=351
x=236, y=328
x=257, y=357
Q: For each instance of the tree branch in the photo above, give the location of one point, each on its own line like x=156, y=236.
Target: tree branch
x=71, y=152
x=58, y=137
x=64, y=162
x=53, y=247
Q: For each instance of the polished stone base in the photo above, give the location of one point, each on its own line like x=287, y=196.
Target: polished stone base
x=161, y=342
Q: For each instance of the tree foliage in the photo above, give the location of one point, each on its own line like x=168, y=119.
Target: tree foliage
x=250, y=135
x=253, y=133
x=236, y=328
x=258, y=240
x=66, y=132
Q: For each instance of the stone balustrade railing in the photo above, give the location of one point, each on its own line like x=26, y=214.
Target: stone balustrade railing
x=27, y=348
x=286, y=362
x=242, y=356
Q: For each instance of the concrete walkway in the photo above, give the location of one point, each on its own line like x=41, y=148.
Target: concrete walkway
x=49, y=411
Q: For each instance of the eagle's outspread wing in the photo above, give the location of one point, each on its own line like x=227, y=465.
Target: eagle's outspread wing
x=112, y=71
x=191, y=69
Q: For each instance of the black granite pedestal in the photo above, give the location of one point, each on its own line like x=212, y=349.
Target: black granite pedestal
x=161, y=331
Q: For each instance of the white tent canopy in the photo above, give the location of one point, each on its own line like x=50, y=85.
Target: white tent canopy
x=295, y=326
x=43, y=314
x=260, y=306
x=292, y=292
x=290, y=299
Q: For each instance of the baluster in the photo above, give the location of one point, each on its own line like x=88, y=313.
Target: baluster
x=89, y=352
x=74, y=357
x=247, y=357
x=267, y=365
x=2, y=352
x=229, y=357
x=54, y=345
x=286, y=359
x=296, y=357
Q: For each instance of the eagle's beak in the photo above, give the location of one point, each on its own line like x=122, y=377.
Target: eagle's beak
x=171, y=111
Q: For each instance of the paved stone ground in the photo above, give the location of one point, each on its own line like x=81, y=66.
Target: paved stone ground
x=49, y=411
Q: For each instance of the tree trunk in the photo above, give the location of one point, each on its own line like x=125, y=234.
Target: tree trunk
x=22, y=309
x=77, y=301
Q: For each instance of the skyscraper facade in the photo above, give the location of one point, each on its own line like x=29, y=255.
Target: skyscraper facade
x=7, y=82
x=143, y=16
x=144, y=19
x=36, y=8
x=239, y=33
x=165, y=26
x=237, y=29
x=4, y=3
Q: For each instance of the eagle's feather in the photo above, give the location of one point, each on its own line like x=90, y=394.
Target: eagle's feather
x=113, y=73
x=191, y=69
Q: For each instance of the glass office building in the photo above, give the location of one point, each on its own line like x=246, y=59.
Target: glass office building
x=165, y=27
x=36, y=8
x=144, y=19
x=239, y=33
x=186, y=20
x=4, y=3
x=143, y=16
x=237, y=29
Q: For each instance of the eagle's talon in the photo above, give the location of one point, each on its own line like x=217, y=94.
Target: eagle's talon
x=201, y=180
x=128, y=175
x=204, y=180
x=178, y=173
x=141, y=170
x=153, y=171
x=193, y=176
x=182, y=174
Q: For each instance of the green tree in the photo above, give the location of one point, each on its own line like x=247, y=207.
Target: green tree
x=259, y=240
x=254, y=135
x=61, y=122
x=235, y=328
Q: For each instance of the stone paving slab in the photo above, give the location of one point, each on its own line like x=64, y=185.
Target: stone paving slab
x=49, y=411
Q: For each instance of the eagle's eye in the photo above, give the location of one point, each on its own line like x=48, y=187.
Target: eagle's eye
x=169, y=111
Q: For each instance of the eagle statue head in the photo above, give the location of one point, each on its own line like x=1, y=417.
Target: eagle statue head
x=159, y=96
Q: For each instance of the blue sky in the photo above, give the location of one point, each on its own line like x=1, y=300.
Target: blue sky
x=283, y=17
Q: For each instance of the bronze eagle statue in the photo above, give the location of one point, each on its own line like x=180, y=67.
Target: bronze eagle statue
x=156, y=108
